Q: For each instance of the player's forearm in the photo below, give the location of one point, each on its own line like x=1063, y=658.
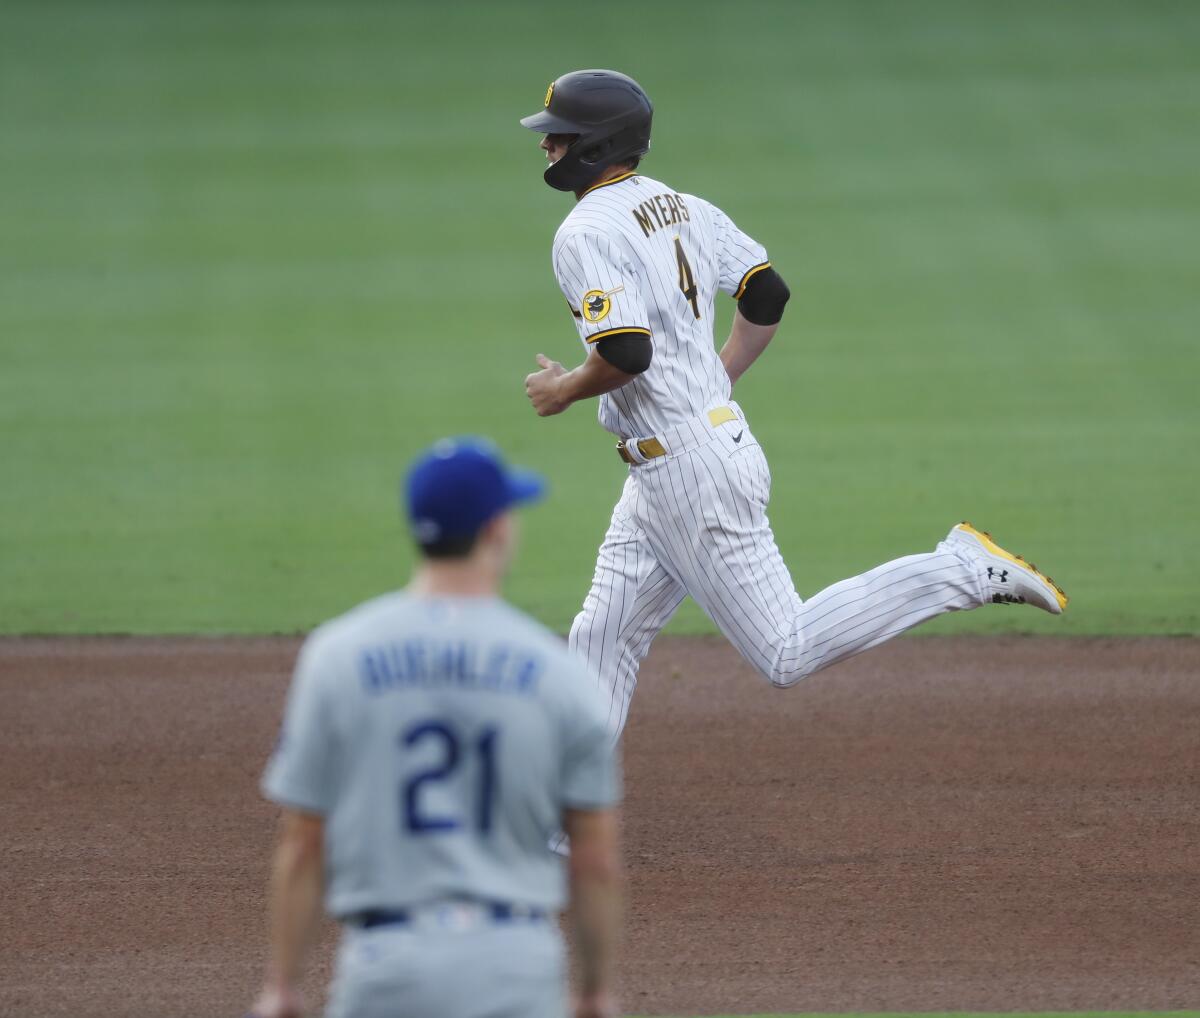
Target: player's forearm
x=594, y=377
x=595, y=876
x=296, y=884
x=746, y=343
x=596, y=909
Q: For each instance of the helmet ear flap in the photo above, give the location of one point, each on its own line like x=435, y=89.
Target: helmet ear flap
x=569, y=173
x=596, y=152
x=580, y=164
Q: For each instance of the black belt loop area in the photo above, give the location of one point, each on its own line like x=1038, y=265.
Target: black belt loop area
x=499, y=912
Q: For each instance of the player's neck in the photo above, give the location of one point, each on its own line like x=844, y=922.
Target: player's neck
x=605, y=175
x=455, y=578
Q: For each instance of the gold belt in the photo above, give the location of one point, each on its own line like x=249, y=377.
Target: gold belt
x=652, y=448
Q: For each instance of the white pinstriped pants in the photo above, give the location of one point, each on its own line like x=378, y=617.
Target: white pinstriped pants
x=695, y=523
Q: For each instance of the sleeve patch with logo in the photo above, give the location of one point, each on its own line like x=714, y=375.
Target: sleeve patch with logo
x=597, y=304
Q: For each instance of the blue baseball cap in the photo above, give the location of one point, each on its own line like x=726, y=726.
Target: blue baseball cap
x=459, y=484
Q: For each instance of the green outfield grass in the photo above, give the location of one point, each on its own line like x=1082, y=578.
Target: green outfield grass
x=256, y=255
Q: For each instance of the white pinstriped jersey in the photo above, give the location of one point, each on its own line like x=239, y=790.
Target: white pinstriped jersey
x=636, y=255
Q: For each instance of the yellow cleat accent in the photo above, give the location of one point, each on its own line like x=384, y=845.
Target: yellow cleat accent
x=985, y=539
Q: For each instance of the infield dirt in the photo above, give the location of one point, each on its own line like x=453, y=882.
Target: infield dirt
x=942, y=824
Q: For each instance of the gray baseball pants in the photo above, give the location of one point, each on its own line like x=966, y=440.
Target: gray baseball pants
x=498, y=970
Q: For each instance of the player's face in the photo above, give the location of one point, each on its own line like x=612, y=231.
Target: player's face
x=555, y=146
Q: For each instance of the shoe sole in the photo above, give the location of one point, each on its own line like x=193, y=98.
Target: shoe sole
x=985, y=539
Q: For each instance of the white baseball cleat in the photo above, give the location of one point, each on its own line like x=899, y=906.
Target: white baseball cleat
x=1012, y=579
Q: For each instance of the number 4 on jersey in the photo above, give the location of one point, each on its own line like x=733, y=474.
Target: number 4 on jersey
x=687, y=282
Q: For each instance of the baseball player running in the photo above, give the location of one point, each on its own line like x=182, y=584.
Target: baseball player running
x=640, y=265
x=434, y=739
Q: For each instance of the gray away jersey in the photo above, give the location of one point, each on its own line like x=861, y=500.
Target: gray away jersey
x=635, y=255
x=441, y=739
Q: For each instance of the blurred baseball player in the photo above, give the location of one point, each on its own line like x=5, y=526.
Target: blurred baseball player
x=640, y=265
x=434, y=739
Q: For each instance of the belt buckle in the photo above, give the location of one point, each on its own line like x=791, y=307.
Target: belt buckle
x=623, y=452
x=651, y=448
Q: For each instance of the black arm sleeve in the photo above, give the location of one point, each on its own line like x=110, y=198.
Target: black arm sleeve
x=630, y=352
x=764, y=297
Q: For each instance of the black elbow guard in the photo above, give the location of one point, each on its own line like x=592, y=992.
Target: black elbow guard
x=764, y=297
x=630, y=352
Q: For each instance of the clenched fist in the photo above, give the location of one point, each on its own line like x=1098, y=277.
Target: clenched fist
x=544, y=389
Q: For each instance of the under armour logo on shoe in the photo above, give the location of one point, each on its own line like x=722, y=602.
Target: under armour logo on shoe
x=999, y=575
x=738, y=436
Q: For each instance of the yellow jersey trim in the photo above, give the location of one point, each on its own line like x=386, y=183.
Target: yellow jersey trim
x=746, y=278
x=605, y=183
x=608, y=332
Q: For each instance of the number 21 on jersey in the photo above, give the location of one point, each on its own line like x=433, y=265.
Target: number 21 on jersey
x=454, y=752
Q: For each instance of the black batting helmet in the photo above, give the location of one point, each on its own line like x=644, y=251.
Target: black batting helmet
x=611, y=116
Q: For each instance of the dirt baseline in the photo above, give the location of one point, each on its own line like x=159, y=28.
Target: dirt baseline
x=941, y=824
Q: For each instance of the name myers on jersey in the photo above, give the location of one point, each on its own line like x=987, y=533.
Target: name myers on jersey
x=659, y=212
x=422, y=663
